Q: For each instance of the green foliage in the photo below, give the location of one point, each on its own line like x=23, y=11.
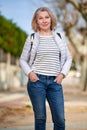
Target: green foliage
x=12, y=38
x=73, y=66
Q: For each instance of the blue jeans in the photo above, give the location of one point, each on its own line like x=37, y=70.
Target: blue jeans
x=39, y=91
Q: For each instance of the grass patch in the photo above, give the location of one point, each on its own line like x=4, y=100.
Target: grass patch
x=28, y=106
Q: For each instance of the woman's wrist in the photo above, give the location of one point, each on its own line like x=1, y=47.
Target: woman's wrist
x=30, y=73
x=62, y=75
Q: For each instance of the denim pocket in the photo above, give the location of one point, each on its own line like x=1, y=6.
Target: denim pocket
x=59, y=84
x=33, y=81
x=36, y=84
x=42, y=78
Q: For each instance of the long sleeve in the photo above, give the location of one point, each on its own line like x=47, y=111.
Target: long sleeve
x=67, y=63
x=24, y=58
x=68, y=59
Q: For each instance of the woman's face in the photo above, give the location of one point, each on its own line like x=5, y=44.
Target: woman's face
x=44, y=21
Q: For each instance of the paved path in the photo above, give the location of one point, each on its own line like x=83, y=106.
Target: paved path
x=76, y=110
x=71, y=127
x=5, y=98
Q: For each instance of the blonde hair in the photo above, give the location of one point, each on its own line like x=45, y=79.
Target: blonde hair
x=34, y=20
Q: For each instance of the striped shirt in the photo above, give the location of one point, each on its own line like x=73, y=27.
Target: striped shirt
x=47, y=61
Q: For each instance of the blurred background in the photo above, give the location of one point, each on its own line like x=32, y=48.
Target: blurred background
x=15, y=26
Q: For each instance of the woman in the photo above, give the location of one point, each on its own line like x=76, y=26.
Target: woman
x=46, y=65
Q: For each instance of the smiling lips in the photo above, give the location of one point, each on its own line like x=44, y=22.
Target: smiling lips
x=44, y=24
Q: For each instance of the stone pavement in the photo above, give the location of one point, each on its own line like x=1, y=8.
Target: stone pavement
x=75, y=108
x=74, y=127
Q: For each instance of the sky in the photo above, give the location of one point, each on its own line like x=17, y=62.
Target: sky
x=20, y=11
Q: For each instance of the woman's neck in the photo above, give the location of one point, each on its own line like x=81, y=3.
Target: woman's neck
x=47, y=33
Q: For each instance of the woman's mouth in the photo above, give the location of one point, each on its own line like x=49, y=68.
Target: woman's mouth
x=45, y=25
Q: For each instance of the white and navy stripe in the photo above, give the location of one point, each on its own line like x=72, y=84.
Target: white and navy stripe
x=47, y=60
x=27, y=63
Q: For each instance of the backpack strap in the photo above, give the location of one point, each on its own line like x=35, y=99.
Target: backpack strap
x=59, y=35
x=59, y=52
x=31, y=40
x=32, y=37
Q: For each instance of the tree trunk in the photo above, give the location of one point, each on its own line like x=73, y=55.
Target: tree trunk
x=84, y=74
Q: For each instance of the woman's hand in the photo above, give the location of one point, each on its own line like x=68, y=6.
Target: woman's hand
x=33, y=77
x=59, y=78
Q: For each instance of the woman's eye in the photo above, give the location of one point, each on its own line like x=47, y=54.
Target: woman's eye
x=47, y=17
x=40, y=17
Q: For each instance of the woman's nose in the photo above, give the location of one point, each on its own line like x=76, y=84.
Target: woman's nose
x=44, y=20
